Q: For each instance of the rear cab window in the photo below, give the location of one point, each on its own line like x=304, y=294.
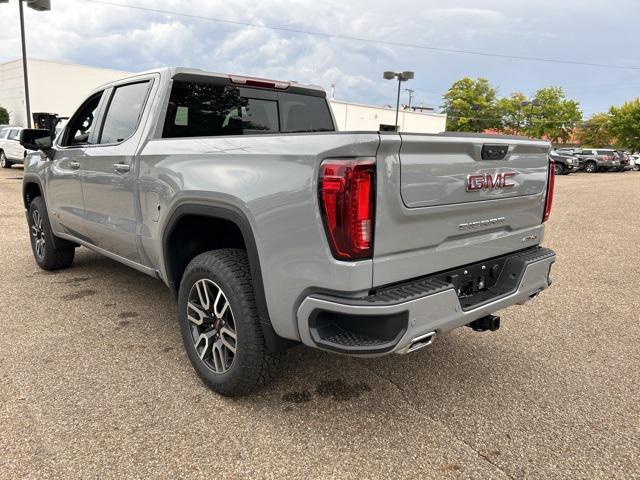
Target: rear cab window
x=203, y=109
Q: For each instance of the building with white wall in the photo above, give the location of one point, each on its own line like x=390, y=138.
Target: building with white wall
x=59, y=88
x=356, y=116
x=54, y=87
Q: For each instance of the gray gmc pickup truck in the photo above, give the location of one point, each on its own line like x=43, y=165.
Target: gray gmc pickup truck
x=272, y=229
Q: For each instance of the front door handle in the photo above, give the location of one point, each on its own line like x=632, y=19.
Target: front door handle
x=121, y=167
x=74, y=165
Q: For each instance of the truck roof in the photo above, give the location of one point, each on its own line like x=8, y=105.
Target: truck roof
x=240, y=80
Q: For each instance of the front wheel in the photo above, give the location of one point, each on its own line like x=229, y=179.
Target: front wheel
x=220, y=326
x=43, y=242
x=4, y=162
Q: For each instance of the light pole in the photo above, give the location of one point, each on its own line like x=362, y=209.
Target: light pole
x=402, y=77
x=530, y=103
x=40, y=6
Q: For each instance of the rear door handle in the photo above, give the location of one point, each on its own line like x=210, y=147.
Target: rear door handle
x=121, y=167
x=74, y=165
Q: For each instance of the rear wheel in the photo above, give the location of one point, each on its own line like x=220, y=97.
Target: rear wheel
x=43, y=243
x=590, y=167
x=4, y=162
x=220, y=326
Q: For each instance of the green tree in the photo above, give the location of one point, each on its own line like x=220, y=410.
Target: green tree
x=596, y=131
x=555, y=118
x=4, y=116
x=512, y=116
x=625, y=125
x=470, y=106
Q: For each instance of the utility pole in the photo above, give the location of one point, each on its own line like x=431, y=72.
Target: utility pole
x=411, y=92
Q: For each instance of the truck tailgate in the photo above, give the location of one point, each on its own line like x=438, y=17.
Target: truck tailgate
x=442, y=203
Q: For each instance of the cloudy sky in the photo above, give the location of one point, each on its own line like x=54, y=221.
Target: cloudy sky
x=591, y=31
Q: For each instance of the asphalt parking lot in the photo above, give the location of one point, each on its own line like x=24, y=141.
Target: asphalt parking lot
x=94, y=382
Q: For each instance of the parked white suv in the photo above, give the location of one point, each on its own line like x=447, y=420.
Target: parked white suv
x=11, y=152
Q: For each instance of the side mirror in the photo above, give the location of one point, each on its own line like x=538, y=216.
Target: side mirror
x=36, y=139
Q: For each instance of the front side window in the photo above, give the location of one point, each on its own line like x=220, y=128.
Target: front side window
x=200, y=109
x=123, y=113
x=14, y=134
x=82, y=123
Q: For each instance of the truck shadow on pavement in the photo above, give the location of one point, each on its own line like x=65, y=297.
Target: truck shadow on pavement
x=457, y=364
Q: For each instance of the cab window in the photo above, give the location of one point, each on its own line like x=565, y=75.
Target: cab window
x=82, y=124
x=124, y=111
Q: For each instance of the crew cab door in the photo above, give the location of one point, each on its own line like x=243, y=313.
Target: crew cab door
x=64, y=191
x=109, y=173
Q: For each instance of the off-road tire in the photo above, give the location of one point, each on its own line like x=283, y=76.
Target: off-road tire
x=56, y=252
x=253, y=366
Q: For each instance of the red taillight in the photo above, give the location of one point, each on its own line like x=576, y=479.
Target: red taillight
x=347, y=203
x=550, y=185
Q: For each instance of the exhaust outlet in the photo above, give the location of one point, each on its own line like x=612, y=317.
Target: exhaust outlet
x=421, y=341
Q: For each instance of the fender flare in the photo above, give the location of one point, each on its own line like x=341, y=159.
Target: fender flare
x=235, y=215
x=231, y=214
x=26, y=180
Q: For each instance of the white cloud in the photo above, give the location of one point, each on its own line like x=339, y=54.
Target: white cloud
x=83, y=32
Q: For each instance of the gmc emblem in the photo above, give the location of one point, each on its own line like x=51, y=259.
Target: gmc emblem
x=486, y=181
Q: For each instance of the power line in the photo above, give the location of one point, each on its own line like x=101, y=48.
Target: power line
x=368, y=40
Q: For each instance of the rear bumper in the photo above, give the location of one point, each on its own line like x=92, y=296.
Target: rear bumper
x=394, y=317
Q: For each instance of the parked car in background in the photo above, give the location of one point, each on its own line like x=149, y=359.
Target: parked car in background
x=564, y=163
x=600, y=159
x=624, y=160
x=11, y=152
x=566, y=150
x=635, y=161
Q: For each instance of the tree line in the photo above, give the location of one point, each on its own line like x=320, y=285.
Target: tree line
x=474, y=106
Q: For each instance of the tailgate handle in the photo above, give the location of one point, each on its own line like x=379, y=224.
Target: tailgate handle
x=494, y=152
